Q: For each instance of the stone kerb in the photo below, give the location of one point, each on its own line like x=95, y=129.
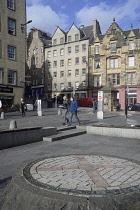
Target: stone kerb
x=126, y=132
x=17, y=137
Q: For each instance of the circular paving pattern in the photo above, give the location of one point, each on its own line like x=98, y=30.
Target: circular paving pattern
x=84, y=174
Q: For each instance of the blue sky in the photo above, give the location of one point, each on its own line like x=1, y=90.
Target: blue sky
x=48, y=14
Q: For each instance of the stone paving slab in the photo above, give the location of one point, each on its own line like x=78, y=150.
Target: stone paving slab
x=86, y=173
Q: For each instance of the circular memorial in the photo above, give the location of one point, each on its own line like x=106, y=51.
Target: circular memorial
x=81, y=182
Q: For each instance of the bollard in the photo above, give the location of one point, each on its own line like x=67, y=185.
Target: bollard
x=2, y=115
x=59, y=112
x=39, y=113
x=13, y=125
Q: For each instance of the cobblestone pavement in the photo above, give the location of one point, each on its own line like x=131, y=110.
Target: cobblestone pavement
x=86, y=173
x=50, y=118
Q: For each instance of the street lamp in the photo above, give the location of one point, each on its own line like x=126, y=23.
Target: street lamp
x=22, y=25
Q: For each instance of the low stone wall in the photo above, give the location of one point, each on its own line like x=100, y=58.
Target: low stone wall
x=126, y=132
x=17, y=137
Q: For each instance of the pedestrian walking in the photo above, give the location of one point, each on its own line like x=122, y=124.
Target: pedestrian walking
x=65, y=110
x=73, y=111
x=95, y=106
x=22, y=107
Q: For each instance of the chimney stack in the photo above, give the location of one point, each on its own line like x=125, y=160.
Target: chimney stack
x=96, y=28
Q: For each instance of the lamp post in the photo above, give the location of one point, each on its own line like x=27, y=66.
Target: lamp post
x=22, y=25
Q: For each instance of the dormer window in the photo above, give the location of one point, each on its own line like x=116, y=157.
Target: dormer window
x=131, y=45
x=113, y=47
x=77, y=37
x=69, y=38
x=55, y=41
x=62, y=41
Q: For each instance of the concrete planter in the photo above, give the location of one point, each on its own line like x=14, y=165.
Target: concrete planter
x=17, y=137
x=125, y=132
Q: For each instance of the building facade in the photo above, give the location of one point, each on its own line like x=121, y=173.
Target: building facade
x=12, y=50
x=35, y=73
x=66, y=62
x=115, y=57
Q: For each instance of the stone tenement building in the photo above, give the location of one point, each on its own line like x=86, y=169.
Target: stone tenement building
x=66, y=66
x=115, y=56
x=36, y=42
x=12, y=50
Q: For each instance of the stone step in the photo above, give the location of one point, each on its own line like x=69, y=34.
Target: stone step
x=64, y=135
x=65, y=128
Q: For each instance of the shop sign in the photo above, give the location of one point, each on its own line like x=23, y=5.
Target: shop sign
x=6, y=90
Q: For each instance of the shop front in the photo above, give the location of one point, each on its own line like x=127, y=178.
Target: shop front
x=132, y=93
x=6, y=96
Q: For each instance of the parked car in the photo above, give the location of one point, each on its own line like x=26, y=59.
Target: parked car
x=134, y=107
x=85, y=102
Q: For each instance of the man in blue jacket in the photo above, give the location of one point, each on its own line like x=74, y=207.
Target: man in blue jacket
x=73, y=111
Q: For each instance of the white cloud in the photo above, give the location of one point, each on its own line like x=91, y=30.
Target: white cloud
x=45, y=18
x=105, y=13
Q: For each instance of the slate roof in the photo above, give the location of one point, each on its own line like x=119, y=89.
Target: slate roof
x=136, y=32
x=86, y=31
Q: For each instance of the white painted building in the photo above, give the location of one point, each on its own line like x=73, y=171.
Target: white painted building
x=66, y=62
